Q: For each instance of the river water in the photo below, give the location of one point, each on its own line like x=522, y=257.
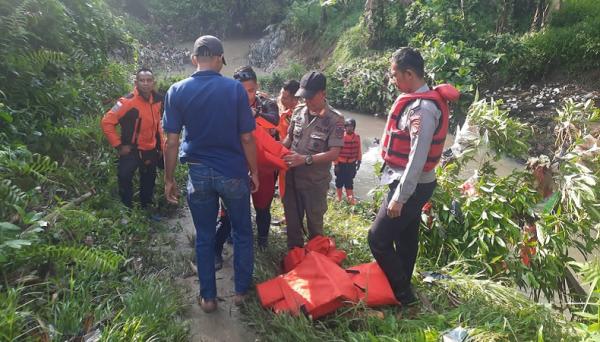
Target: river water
x=236, y=55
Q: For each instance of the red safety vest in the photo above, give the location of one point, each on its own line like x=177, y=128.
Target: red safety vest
x=350, y=152
x=396, y=142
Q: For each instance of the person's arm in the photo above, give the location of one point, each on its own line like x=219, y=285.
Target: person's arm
x=422, y=127
x=359, y=148
x=287, y=142
x=172, y=124
x=335, y=141
x=359, y=157
x=170, y=154
x=295, y=159
x=249, y=147
x=110, y=120
x=246, y=127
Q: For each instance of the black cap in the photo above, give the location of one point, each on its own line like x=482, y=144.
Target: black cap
x=208, y=46
x=311, y=83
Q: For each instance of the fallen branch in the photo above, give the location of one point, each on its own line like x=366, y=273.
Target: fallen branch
x=51, y=217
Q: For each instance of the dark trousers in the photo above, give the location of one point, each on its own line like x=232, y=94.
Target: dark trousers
x=128, y=164
x=262, y=200
x=394, y=242
x=344, y=175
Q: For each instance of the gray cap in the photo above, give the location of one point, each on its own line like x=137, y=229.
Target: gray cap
x=208, y=46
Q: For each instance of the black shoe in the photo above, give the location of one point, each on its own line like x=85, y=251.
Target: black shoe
x=407, y=298
x=218, y=262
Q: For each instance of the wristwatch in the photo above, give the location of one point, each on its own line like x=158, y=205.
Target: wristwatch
x=308, y=160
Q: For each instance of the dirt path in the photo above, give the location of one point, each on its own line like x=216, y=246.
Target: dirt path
x=224, y=325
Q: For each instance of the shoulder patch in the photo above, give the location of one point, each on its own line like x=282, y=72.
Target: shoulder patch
x=117, y=106
x=415, y=124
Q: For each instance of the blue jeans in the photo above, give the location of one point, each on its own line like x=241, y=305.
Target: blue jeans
x=205, y=187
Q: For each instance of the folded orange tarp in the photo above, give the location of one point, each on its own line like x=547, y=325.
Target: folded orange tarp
x=317, y=286
x=320, y=244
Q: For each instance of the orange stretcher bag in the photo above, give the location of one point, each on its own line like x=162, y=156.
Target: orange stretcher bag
x=374, y=287
x=319, y=244
x=317, y=286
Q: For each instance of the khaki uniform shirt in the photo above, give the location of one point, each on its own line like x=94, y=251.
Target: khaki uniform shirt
x=313, y=134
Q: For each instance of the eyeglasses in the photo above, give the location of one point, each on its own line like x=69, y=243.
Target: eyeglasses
x=244, y=76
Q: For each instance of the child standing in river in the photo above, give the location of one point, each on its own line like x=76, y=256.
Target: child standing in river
x=348, y=162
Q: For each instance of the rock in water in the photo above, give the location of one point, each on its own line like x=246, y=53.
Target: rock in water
x=264, y=52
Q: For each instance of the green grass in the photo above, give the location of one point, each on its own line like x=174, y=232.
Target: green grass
x=95, y=266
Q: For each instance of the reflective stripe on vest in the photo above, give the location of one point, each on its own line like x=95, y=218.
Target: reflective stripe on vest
x=396, y=142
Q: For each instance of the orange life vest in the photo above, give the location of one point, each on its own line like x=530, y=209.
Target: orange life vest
x=396, y=142
x=351, y=150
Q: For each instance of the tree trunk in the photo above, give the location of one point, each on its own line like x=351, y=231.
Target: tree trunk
x=539, y=17
x=323, y=16
x=503, y=24
x=375, y=21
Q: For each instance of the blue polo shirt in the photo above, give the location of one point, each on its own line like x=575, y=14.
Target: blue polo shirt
x=214, y=111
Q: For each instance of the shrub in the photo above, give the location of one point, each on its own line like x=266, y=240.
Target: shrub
x=362, y=85
x=273, y=82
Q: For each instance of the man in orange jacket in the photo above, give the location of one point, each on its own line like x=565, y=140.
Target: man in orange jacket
x=140, y=142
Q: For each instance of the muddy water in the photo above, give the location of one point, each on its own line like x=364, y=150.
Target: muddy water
x=236, y=55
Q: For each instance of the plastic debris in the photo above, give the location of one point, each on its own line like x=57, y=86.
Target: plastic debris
x=432, y=277
x=458, y=334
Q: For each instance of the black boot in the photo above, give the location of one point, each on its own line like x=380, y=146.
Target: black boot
x=263, y=223
x=407, y=298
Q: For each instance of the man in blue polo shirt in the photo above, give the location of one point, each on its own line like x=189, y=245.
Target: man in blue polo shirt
x=219, y=148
